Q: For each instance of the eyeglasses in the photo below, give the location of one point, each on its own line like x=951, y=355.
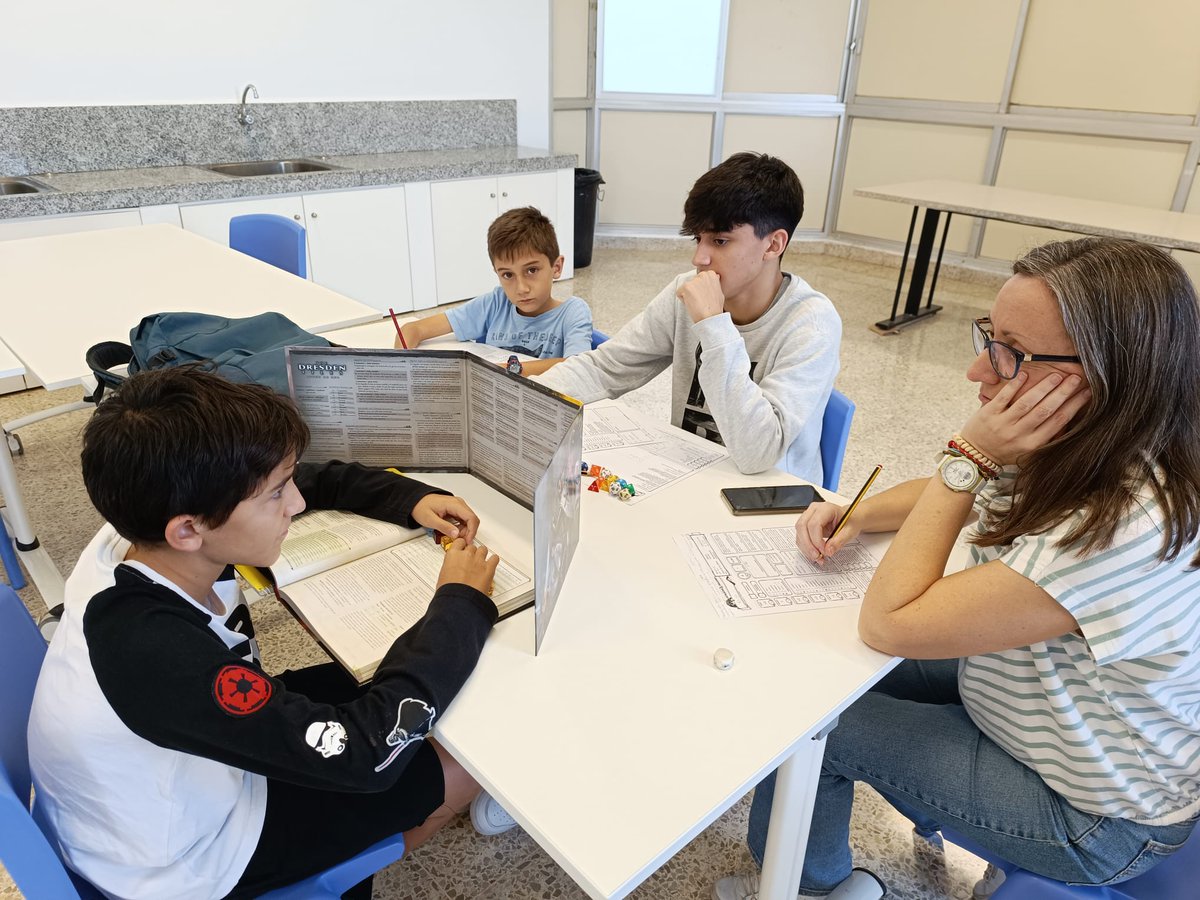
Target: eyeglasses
x=1006, y=360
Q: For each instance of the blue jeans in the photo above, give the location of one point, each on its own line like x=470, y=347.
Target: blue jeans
x=911, y=739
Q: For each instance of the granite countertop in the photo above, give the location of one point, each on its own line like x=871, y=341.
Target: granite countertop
x=77, y=192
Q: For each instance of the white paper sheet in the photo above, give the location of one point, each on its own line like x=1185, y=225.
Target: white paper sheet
x=759, y=571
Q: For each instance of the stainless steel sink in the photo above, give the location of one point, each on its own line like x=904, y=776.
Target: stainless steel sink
x=11, y=184
x=269, y=167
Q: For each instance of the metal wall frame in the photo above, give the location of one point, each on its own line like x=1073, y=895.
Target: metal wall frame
x=1005, y=116
x=1002, y=117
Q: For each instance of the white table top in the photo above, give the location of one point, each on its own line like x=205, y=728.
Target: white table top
x=620, y=741
x=1162, y=227
x=64, y=293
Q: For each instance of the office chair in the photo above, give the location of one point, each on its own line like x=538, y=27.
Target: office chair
x=25, y=847
x=598, y=338
x=277, y=240
x=835, y=432
x=8, y=556
x=1175, y=876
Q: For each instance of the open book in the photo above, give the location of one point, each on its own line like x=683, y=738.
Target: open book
x=357, y=583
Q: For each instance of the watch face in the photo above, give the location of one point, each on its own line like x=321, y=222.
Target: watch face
x=959, y=474
x=514, y=366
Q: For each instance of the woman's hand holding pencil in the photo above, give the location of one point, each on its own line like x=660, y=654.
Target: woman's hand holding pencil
x=824, y=528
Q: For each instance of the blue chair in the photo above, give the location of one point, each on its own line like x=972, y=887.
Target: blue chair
x=598, y=338
x=835, y=432
x=26, y=849
x=277, y=240
x=8, y=556
x=1176, y=876
x=30, y=858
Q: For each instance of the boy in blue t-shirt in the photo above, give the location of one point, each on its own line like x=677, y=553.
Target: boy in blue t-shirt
x=519, y=315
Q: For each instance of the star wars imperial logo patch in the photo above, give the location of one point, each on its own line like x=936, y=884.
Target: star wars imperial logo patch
x=240, y=691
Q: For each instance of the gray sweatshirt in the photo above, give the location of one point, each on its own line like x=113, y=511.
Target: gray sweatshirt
x=759, y=389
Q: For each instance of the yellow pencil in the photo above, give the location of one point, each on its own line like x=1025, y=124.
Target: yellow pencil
x=853, y=503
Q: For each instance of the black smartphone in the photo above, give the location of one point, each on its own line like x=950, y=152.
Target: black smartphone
x=778, y=498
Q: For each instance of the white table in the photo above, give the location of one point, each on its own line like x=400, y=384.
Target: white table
x=620, y=741
x=64, y=293
x=1167, y=229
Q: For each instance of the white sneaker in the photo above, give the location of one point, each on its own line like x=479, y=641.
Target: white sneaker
x=737, y=887
x=992, y=878
x=861, y=885
x=488, y=816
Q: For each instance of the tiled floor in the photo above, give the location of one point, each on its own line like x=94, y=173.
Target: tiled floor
x=911, y=395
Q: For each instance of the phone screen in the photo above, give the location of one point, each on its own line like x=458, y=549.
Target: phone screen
x=780, y=498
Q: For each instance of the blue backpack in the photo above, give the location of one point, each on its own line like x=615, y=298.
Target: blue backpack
x=245, y=350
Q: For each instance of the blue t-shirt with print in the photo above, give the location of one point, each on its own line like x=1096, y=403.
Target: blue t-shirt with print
x=491, y=319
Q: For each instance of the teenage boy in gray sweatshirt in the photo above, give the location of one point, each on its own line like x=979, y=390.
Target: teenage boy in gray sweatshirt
x=754, y=349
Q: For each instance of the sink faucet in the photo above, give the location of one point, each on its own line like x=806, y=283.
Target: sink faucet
x=243, y=118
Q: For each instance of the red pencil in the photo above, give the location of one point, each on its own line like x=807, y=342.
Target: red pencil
x=403, y=343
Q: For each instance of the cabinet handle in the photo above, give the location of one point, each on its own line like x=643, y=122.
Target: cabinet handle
x=296, y=217
x=314, y=215
x=492, y=195
x=504, y=194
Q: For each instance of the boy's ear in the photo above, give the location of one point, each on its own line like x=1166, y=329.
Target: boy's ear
x=777, y=242
x=558, y=266
x=183, y=532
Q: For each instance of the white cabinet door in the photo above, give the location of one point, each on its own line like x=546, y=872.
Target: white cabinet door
x=40, y=226
x=462, y=212
x=211, y=220
x=358, y=245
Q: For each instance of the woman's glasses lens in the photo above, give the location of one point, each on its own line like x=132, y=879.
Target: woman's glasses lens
x=1004, y=361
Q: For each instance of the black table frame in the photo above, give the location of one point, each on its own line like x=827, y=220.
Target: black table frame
x=913, y=311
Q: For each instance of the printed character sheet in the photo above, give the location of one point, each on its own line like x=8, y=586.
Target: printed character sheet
x=755, y=572
x=641, y=452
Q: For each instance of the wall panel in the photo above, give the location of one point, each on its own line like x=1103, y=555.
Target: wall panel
x=649, y=161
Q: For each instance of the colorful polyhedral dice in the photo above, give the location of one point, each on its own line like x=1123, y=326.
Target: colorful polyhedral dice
x=614, y=489
x=594, y=471
x=594, y=486
x=624, y=494
x=583, y=468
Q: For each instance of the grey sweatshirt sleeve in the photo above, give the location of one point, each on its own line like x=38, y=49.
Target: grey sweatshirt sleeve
x=760, y=421
x=627, y=360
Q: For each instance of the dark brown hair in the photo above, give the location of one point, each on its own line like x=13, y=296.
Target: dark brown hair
x=184, y=441
x=520, y=230
x=747, y=189
x=1132, y=313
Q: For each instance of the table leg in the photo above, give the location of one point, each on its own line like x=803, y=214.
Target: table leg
x=913, y=310
x=791, y=817
x=41, y=568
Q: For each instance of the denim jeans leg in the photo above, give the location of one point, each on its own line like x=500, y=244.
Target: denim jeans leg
x=827, y=859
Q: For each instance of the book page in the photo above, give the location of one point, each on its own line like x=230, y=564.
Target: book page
x=382, y=407
x=359, y=609
x=324, y=538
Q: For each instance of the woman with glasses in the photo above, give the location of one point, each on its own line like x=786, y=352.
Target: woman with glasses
x=1049, y=705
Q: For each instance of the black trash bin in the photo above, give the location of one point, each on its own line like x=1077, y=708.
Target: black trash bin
x=587, y=192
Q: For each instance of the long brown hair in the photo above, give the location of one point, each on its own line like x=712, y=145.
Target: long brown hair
x=1132, y=312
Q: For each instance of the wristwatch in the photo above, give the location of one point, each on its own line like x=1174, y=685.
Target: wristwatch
x=513, y=366
x=959, y=473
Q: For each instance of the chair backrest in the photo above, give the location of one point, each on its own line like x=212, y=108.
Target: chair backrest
x=27, y=854
x=598, y=338
x=835, y=432
x=8, y=556
x=277, y=240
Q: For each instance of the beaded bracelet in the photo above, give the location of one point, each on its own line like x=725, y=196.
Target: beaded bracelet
x=988, y=467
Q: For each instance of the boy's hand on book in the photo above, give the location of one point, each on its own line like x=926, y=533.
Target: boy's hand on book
x=470, y=565
x=703, y=296
x=449, y=515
